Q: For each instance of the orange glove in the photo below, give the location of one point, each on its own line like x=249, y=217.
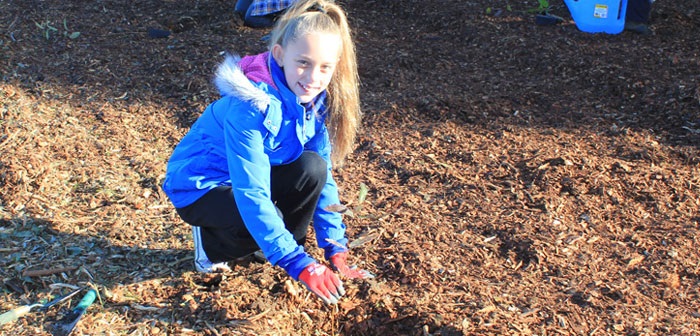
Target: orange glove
x=323, y=282
x=339, y=262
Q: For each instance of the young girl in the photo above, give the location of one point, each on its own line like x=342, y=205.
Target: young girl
x=255, y=168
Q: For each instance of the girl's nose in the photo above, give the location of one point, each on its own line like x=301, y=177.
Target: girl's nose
x=314, y=74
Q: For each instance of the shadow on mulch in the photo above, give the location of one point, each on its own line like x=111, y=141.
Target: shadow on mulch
x=36, y=256
x=46, y=252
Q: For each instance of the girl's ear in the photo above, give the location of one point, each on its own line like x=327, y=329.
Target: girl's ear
x=278, y=54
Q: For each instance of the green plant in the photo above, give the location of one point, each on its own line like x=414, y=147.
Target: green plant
x=340, y=208
x=489, y=10
x=543, y=6
x=73, y=35
x=48, y=29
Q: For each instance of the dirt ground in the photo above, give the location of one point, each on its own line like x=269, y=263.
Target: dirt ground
x=509, y=178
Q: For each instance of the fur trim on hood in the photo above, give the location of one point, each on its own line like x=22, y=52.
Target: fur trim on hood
x=232, y=81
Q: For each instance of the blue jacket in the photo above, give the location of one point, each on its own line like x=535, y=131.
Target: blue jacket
x=255, y=125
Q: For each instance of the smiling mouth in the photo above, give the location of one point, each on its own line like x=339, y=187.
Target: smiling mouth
x=307, y=88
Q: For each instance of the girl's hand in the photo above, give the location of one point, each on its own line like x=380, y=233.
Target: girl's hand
x=339, y=262
x=323, y=282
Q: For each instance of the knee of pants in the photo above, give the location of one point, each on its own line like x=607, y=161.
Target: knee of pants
x=307, y=171
x=306, y=176
x=314, y=166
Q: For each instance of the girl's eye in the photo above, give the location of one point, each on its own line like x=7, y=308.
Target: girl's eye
x=303, y=63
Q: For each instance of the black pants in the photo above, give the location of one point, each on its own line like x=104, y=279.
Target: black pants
x=638, y=11
x=295, y=189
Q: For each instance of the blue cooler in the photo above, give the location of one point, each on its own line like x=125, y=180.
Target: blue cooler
x=598, y=16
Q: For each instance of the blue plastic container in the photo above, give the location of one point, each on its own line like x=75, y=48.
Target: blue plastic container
x=598, y=16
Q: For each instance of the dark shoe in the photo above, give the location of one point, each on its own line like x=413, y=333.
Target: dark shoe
x=547, y=19
x=256, y=257
x=638, y=27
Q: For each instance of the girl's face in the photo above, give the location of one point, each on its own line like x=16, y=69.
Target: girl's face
x=308, y=63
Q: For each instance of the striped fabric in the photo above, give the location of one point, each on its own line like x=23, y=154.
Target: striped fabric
x=264, y=7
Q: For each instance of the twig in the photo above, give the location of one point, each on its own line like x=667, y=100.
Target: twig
x=333, y=312
x=173, y=263
x=396, y=319
x=258, y=316
x=63, y=285
x=43, y=272
x=212, y=329
x=6, y=140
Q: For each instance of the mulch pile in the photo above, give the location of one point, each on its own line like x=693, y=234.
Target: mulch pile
x=509, y=178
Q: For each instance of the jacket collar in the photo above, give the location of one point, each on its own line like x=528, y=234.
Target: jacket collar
x=231, y=80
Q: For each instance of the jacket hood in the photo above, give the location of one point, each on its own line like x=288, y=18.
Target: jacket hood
x=233, y=80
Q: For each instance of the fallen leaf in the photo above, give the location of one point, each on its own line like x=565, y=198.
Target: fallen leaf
x=332, y=241
x=339, y=208
x=363, y=193
x=363, y=239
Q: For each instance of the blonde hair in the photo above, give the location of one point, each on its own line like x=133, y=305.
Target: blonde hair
x=312, y=16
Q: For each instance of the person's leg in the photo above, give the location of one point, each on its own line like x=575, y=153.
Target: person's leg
x=242, y=7
x=201, y=260
x=264, y=21
x=638, y=11
x=637, y=16
x=296, y=188
x=218, y=229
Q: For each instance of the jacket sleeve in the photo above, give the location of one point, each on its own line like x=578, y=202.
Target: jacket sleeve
x=249, y=168
x=327, y=224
